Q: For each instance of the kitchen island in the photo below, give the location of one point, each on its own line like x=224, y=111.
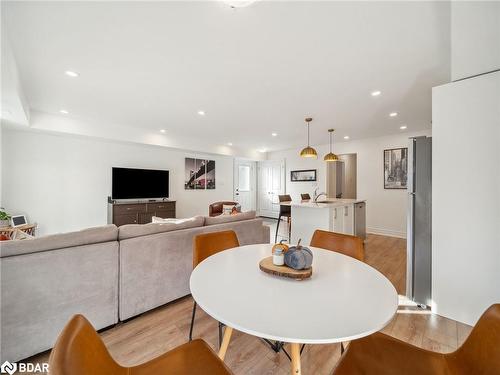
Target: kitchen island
x=335, y=215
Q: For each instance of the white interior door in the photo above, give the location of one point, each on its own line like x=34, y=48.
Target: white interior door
x=245, y=184
x=271, y=183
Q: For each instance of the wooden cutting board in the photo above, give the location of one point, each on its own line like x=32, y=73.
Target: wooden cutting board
x=266, y=265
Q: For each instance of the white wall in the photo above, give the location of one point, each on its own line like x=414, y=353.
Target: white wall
x=385, y=209
x=62, y=182
x=475, y=38
x=466, y=197
x=1, y=165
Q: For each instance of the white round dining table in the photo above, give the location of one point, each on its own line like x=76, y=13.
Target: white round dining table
x=344, y=299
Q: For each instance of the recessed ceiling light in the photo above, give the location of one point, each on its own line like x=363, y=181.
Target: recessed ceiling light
x=63, y=111
x=229, y=144
x=346, y=137
x=393, y=114
x=274, y=134
x=403, y=127
x=262, y=150
x=201, y=113
x=71, y=73
x=239, y=3
x=376, y=93
x=163, y=131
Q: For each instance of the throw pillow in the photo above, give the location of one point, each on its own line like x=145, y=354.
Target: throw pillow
x=160, y=220
x=227, y=209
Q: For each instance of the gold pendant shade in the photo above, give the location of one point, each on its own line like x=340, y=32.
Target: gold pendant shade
x=308, y=152
x=331, y=156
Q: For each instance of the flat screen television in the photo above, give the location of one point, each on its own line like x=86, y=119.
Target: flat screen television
x=132, y=183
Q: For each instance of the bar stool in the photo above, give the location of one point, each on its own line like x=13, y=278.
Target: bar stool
x=285, y=211
x=305, y=197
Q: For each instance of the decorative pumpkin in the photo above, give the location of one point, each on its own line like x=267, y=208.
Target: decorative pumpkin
x=281, y=245
x=298, y=257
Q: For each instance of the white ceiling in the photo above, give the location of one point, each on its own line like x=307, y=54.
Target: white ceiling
x=254, y=70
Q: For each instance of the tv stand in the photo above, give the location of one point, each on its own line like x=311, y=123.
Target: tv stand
x=139, y=212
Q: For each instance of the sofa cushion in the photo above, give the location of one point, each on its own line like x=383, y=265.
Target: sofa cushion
x=60, y=241
x=229, y=218
x=137, y=230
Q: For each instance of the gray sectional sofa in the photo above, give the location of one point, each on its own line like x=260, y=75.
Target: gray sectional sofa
x=107, y=273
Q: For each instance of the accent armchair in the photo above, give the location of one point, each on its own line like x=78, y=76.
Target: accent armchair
x=215, y=209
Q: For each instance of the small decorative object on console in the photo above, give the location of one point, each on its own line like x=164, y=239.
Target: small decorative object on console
x=4, y=218
x=278, y=257
x=18, y=220
x=299, y=257
x=281, y=246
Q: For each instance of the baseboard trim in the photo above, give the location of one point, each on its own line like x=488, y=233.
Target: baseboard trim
x=386, y=232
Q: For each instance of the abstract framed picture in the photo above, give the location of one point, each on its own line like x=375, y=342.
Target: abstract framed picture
x=303, y=175
x=396, y=168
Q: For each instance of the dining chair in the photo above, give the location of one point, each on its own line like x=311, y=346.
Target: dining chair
x=285, y=211
x=205, y=245
x=305, y=197
x=79, y=350
x=383, y=354
x=341, y=243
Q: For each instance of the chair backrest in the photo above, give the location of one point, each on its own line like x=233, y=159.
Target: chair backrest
x=341, y=243
x=284, y=198
x=208, y=244
x=480, y=353
x=305, y=196
x=285, y=210
x=80, y=351
x=215, y=208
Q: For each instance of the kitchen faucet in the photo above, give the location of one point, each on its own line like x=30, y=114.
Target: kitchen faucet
x=316, y=195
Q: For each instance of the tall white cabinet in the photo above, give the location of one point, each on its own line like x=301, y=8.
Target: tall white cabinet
x=466, y=197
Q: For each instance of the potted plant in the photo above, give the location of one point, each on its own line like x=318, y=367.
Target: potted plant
x=4, y=218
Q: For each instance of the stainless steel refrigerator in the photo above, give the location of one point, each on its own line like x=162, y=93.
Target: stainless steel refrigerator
x=418, y=275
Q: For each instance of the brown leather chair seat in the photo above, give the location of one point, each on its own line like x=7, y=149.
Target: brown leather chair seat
x=195, y=357
x=79, y=350
x=382, y=354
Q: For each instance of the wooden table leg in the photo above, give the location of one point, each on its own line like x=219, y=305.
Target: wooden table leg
x=295, y=358
x=225, y=342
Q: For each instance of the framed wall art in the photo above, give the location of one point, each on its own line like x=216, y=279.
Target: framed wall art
x=396, y=168
x=303, y=175
x=199, y=174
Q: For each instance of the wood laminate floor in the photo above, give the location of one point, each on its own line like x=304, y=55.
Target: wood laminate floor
x=166, y=327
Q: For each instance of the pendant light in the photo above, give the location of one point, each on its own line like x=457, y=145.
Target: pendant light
x=331, y=156
x=308, y=152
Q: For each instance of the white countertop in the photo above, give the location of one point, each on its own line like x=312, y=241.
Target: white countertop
x=323, y=203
